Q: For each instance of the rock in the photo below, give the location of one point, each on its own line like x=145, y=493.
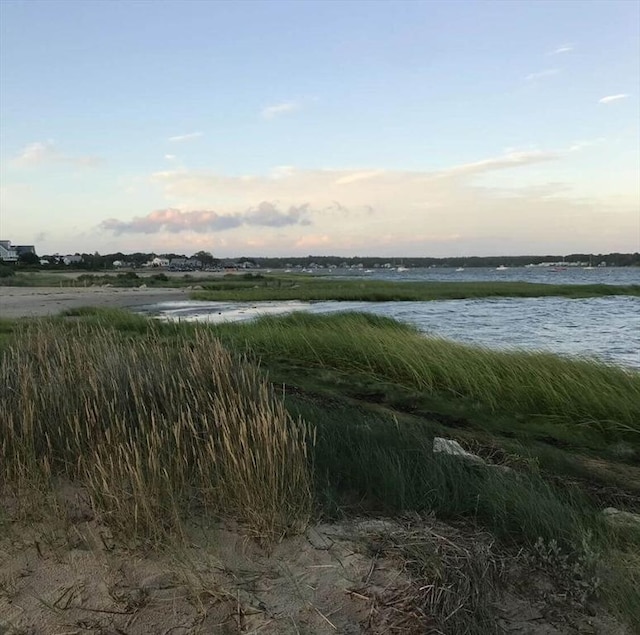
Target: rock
x=197, y=287
x=318, y=539
x=618, y=518
x=453, y=448
x=142, y=286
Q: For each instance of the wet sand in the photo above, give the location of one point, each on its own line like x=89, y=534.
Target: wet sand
x=16, y=302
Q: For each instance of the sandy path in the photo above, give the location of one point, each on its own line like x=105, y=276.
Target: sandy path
x=18, y=302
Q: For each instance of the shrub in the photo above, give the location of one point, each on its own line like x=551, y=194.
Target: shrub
x=6, y=271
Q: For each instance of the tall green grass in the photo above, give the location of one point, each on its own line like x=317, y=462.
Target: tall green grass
x=365, y=462
x=153, y=429
x=567, y=392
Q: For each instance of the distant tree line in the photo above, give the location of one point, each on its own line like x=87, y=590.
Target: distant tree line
x=97, y=261
x=611, y=260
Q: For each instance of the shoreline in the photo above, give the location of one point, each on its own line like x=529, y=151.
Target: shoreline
x=17, y=302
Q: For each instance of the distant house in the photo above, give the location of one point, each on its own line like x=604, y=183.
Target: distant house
x=11, y=253
x=72, y=259
x=160, y=262
x=7, y=252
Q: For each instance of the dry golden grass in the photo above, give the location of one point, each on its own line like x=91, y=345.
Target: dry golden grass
x=153, y=429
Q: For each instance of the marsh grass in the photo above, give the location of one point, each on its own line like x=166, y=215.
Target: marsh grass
x=574, y=394
x=250, y=287
x=153, y=429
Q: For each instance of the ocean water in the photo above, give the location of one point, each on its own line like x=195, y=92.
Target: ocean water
x=604, y=328
x=546, y=275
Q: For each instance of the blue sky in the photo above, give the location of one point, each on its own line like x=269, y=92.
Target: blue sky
x=355, y=128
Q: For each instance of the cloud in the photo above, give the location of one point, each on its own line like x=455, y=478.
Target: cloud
x=268, y=215
x=284, y=108
x=173, y=220
x=611, y=98
x=328, y=190
x=185, y=137
x=581, y=145
x=170, y=157
x=41, y=153
x=549, y=72
x=508, y=160
x=358, y=176
x=563, y=48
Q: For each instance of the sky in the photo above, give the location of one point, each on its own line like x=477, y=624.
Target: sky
x=265, y=128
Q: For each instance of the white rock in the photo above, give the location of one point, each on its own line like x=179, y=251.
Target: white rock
x=619, y=518
x=453, y=448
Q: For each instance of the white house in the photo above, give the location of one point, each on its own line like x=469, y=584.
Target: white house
x=7, y=252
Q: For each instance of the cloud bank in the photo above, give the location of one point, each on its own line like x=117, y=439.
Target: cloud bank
x=386, y=212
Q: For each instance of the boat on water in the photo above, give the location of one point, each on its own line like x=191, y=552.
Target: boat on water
x=460, y=269
x=501, y=268
x=401, y=268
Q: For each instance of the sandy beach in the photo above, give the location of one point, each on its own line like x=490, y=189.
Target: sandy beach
x=18, y=302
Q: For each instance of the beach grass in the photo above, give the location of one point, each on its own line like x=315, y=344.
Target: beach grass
x=153, y=430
